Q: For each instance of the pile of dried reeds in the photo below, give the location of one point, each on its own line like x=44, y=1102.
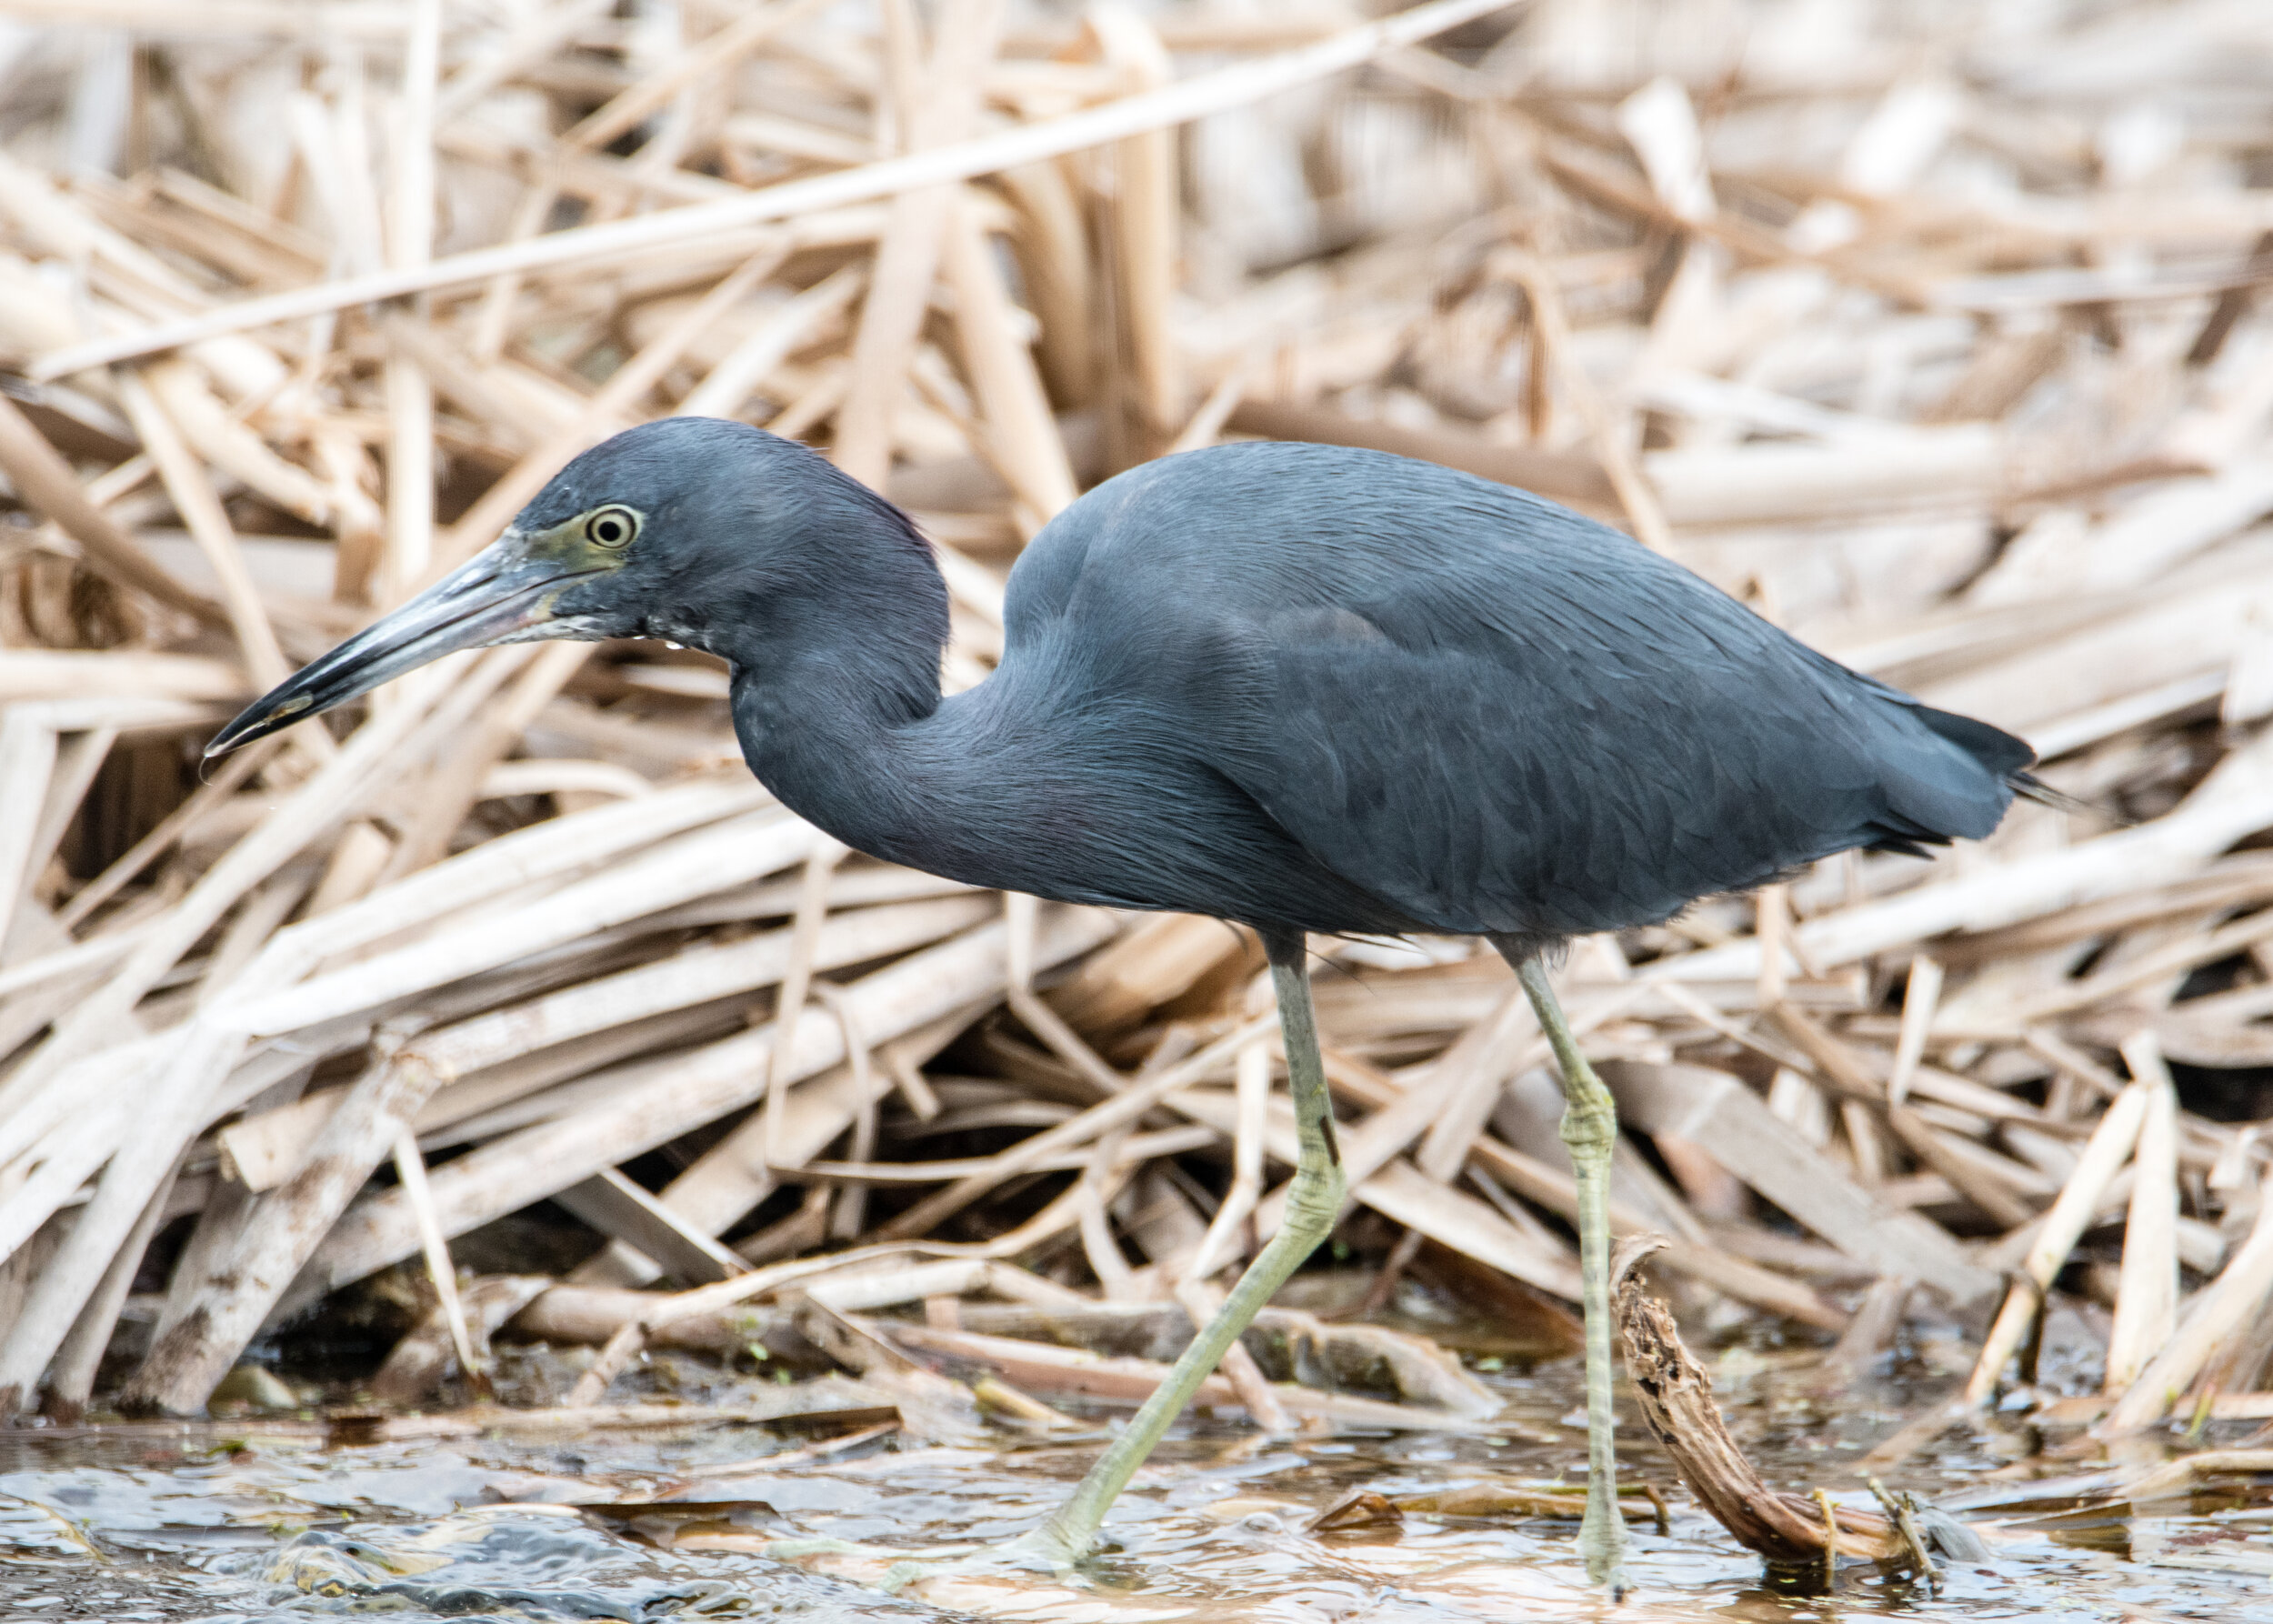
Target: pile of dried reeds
x=1942, y=350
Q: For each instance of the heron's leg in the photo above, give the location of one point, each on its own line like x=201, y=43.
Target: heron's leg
x=1590, y=1126
x=1313, y=1199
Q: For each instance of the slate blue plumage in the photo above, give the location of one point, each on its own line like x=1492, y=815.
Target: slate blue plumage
x=1297, y=686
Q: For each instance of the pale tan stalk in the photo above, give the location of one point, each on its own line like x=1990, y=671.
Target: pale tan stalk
x=1184, y=100
x=2104, y=1154
x=2147, y=1291
x=908, y=256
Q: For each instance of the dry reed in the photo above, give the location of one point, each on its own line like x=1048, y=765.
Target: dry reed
x=1948, y=359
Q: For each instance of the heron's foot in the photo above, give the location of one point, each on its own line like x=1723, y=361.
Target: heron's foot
x=906, y=1566
x=1035, y=1553
x=1602, y=1543
x=1045, y=1549
x=790, y=1551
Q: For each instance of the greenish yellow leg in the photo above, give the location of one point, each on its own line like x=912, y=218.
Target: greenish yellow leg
x=1313, y=1199
x=1590, y=1126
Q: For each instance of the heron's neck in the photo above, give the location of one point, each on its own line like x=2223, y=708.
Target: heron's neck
x=837, y=706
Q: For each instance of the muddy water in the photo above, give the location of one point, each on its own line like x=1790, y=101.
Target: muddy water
x=194, y=1524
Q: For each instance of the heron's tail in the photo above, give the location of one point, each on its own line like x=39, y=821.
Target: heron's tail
x=2029, y=787
x=2010, y=757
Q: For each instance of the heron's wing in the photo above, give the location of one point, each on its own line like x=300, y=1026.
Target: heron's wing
x=1544, y=742
x=1483, y=709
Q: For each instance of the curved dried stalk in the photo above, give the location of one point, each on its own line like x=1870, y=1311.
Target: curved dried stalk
x=1675, y=1398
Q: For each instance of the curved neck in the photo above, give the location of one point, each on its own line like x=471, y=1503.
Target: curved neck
x=836, y=692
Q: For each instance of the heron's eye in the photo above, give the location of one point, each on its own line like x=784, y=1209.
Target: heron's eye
x=612, y=527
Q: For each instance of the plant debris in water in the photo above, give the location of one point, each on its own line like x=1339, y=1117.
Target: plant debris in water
x=191, y=1523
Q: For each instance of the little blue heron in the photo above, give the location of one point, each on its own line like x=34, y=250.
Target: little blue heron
x=1299, y=686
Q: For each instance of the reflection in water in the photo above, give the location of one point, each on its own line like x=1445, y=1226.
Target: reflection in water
x=189, y=1526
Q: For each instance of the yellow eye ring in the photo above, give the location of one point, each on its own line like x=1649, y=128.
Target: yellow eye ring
x=611, y=527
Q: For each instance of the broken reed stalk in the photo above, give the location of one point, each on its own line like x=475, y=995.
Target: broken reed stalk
x=1675, y=1398
x=579, y=1024
x=410, y=1171
x=71, y=1379
x=276, y=1236
x=616, y=1355
x=805, y=932
x=2147, y=1291
x=2223, y=1310
x=2103, y=1156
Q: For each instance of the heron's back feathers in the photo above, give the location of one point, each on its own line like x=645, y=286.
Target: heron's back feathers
x=1480, y=710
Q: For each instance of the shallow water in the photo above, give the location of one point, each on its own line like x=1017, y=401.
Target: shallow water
x=194, y=1524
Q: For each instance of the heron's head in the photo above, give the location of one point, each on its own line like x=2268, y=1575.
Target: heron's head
x=665, y=530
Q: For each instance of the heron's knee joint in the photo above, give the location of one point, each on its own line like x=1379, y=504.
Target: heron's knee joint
x=1589, y=1124
x=1314, y=1197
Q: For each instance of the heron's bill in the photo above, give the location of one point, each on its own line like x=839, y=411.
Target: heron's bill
x=504, y=594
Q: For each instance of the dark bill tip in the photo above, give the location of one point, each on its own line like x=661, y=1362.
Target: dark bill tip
x=496, y=597
x=272, y=712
